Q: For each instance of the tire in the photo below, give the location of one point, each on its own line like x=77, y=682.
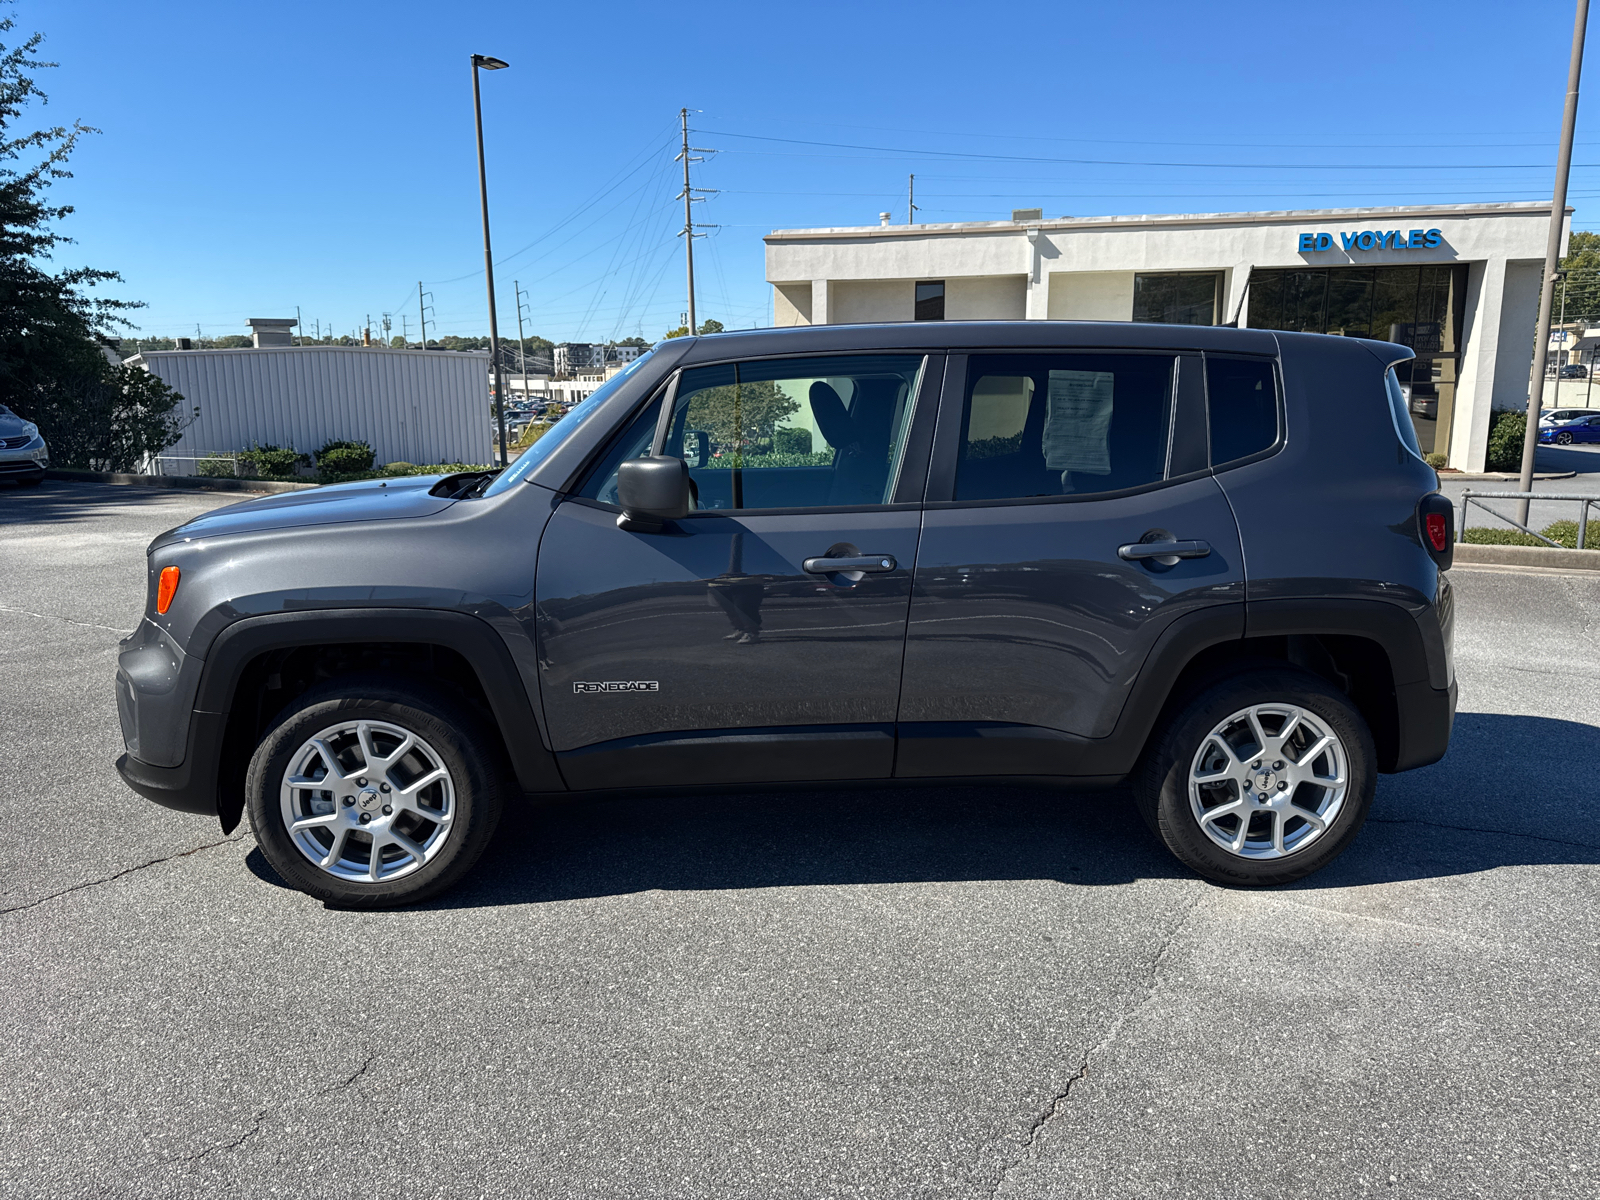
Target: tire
x=431, y=804
x=1203, y=755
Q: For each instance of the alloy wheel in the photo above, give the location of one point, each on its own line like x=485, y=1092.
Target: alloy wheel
x=1268, y=781
x=367, y=801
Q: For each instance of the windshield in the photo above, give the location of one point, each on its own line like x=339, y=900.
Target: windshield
x=560, y=431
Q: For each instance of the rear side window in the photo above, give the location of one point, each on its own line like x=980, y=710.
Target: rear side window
x=1241, y=406
x=1063, y=424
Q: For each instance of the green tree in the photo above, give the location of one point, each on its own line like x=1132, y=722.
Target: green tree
x=740, y=417
x=1582, y=265
x=709, y=325
x=47, y=321
x=52, y=368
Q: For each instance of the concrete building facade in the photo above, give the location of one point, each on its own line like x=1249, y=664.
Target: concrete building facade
x=1457, y=283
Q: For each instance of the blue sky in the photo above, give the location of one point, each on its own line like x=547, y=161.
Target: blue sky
x=259, y=157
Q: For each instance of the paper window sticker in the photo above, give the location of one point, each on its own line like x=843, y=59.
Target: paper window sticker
x=1077, y=423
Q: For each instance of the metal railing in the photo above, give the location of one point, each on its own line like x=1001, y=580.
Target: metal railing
x=1583, y=502
x=218, y=465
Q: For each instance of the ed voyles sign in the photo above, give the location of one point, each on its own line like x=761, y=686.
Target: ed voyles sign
x=1374, y=239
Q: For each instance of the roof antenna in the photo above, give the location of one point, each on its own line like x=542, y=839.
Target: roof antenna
x=1243, y=292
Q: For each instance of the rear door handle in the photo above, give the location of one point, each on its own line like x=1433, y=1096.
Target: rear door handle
x=1134, y=551
x=855, y=562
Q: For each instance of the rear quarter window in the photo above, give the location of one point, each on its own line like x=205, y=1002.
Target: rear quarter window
x=1241, y=407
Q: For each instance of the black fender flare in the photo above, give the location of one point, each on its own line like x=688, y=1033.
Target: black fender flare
x=471, y=637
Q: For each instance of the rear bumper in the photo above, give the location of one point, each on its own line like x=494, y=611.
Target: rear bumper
x=1427, y=715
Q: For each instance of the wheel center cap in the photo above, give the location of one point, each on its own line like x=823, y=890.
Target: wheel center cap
x=369, y=801
x=1265, y=781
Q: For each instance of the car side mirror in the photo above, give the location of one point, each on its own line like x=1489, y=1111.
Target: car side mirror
x=696, y=447
x=652, y=491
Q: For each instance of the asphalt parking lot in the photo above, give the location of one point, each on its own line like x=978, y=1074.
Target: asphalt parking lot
x=946, y=993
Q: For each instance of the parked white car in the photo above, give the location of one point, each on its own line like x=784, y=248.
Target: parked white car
x=23, y=454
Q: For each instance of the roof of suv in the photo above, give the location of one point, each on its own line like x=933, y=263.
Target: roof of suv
x=985, y=335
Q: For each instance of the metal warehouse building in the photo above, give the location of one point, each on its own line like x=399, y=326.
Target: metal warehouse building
x=1458, y=283
x=417, y=406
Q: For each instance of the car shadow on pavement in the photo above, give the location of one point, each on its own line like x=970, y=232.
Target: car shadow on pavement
x=1488, y=804
x=57, y=501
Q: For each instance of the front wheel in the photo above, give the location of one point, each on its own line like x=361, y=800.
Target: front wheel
x=1564, y=438
x=1261, y=779
x=369, y=794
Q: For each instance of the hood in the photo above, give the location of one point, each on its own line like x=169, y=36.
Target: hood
x=12, y=425
x=337, y=504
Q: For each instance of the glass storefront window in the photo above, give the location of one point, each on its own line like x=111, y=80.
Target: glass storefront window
x=1182, y=298
x=1417, y=306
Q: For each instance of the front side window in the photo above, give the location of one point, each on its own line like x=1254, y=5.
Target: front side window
x=783, y=433
x=1063, y=424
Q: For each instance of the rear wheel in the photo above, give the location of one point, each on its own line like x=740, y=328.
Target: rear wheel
x=1261, y=779
x=372, y=794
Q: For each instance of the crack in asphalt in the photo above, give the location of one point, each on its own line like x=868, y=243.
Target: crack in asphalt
x=254, y=1129
x=261, y=1116
x=92, y=883
x=65, y=620
x=1053, y=1106
x=1534, y=837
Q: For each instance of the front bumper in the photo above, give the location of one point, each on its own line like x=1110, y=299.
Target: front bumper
x=191, y=786
x=24, y=461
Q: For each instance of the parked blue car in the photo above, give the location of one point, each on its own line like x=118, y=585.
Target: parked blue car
x=1580, y=429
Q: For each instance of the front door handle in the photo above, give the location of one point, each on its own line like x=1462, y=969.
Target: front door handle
x=853, y=562
x=1134, y=551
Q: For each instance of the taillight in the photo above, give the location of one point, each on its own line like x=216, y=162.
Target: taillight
x=1436, y=523
x=166, y=589
x=1438, y=532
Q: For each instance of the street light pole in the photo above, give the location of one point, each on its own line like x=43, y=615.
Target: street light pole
x=1552, y=254
x=486, y=63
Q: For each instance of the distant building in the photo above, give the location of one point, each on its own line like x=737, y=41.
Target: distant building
x=416, y=406
x=573, y=357
x=271, y=331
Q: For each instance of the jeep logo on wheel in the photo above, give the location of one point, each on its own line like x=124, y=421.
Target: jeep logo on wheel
x=617, y=685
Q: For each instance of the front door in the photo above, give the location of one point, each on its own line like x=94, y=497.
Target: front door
x=1034, y=610
x=760, y=638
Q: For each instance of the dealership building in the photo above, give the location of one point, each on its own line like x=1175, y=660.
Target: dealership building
x=1459, y=284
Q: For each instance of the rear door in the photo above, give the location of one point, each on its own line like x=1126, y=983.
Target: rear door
x=760, y=638
x=1033, y=610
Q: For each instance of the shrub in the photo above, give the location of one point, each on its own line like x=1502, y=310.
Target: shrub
x=272, y=462
x=214, y=466
x=1505, y=441
x=531, y=434
x=400, y=468
x=791, y=441
x=1436, y=460
x=1566, y=532
x=344, y=458
x=1563, y=533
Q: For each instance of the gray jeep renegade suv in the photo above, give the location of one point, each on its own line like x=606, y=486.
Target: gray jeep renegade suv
x=1208, y=562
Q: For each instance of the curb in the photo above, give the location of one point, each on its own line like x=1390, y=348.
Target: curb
x=199, y=483
x=1527, y=556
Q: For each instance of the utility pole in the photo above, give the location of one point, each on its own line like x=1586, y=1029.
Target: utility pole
x=299, y=331
x=522, y=344
x=911, y=200
x=689, y=198
x=1552, y=255
x=405, y=330
x=422, y=314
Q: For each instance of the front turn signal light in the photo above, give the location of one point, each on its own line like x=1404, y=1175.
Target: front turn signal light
x=166, y=589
